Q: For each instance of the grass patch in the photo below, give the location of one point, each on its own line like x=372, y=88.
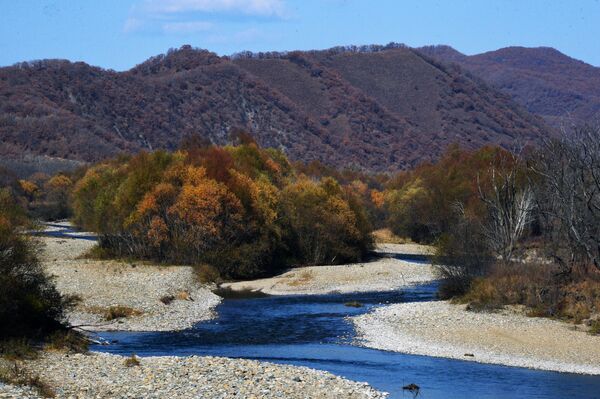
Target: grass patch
x=69, y=341
x=386, y=236
x=184, y=296
x=595, y=327
x=303, y=278
x=11, y=373
x=120, y=312
x=132, y=361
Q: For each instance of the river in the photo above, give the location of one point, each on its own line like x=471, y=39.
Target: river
x=313, y=331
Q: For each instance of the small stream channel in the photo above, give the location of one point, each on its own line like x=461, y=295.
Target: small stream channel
x=313, y=331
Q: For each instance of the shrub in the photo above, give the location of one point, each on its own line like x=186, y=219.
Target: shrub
x=13, y=374
x=461, y=256
x=207, y=274
x=132, y=361
x=30, y=305
x=595, y=327
x=542, y=288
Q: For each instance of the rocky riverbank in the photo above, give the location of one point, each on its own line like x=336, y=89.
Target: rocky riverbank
x=108, y=376
x=383, y=274
x=125, y=296
x=507, y=337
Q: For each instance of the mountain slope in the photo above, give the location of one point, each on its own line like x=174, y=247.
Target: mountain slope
x=545, y=81
x=378, y=111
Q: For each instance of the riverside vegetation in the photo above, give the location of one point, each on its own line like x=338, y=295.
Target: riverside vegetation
x=510, y=228
x=240, y=211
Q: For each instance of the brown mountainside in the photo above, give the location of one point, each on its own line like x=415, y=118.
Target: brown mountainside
x=382, y=110
x=559, y=88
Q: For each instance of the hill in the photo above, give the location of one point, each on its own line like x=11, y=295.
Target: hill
x=559, y=88
x=378, y=110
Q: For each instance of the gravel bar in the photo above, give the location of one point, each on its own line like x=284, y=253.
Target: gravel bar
x=106, y=376
x=384, y=274
x=102, y=284
x=446, y=330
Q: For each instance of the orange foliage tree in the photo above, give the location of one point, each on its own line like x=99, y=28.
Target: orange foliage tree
x=241, y=209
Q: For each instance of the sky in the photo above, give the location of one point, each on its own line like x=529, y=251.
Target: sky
x=119, y=34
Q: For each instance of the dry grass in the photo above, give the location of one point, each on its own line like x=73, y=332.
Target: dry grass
x=119, y=312
x=303, y=278
x=595, y=327
x=542, y=288
x=17, y=349
x=98, y=253
x=132, y=361
x=69, y=341
x=184, y=296
x=386, y=236
x=13, y=374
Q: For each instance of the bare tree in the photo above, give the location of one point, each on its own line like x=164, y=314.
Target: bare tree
x=569, y=194
x=509, y=204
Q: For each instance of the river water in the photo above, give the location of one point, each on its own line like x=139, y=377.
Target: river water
x=313, y=331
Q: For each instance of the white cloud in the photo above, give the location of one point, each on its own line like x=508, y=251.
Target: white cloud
x=133, y=24
x=264, y=8
x=186, y=27
x=192, y=16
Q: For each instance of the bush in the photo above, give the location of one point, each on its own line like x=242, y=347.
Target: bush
x=132, y=361
x=207, y=274
x=30, y=305
x=324, y=229
x=461, y=256
x=542, y=288
x=13, y=374
x=238, y=209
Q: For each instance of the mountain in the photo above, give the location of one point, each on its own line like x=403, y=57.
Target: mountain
x=559, y=88
x=377, y=109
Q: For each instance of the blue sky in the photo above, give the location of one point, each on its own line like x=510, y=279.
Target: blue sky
x=119, y=34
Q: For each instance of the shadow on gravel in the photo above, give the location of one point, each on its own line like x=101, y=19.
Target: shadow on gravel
x=228, y=293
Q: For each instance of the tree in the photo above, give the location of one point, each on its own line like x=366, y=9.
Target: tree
x=30, y=305
x=323, y=229
x=509, y=206
x=568, y=190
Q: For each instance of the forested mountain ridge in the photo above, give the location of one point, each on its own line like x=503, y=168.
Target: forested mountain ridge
x=548, y=83
x=373, y=110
